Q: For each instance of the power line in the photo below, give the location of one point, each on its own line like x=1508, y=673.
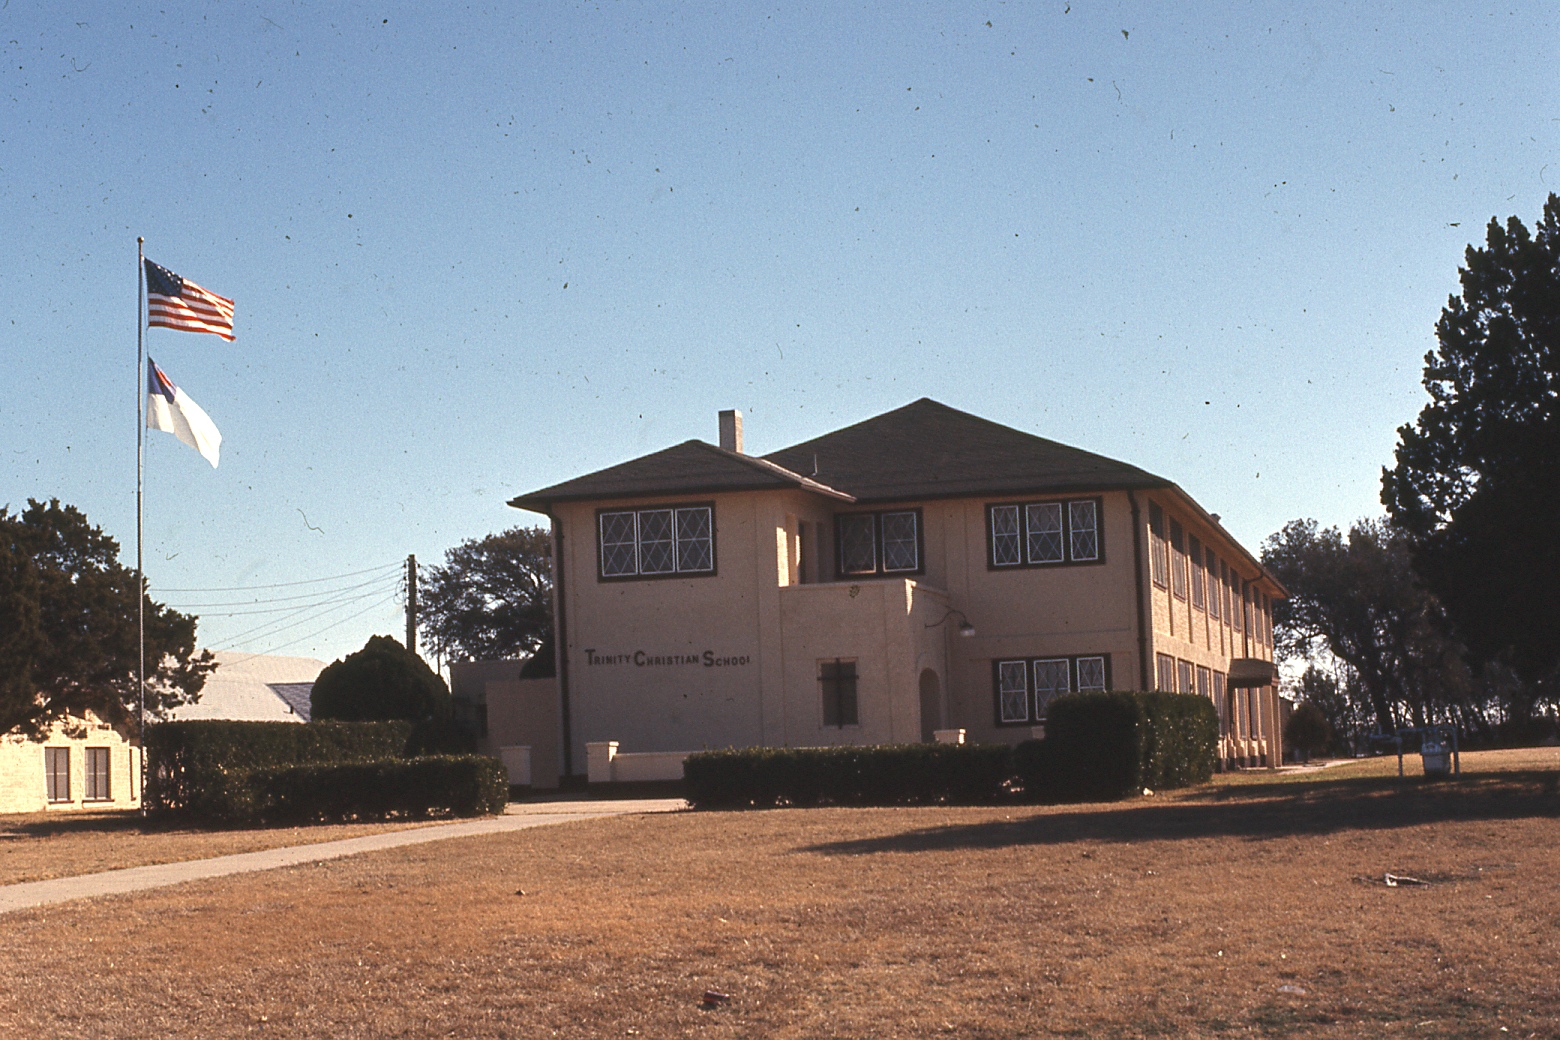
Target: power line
x=284, y=599
x=314, y=610
x=286, y=584
x=320, y=631
x=378, y=587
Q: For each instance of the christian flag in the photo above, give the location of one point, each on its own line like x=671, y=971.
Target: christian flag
x=170, y=409
x=177, y=303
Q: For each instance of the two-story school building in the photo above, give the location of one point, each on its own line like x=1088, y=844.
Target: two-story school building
x=923, y=570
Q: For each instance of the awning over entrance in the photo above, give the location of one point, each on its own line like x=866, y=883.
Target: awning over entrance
x=1246, y=672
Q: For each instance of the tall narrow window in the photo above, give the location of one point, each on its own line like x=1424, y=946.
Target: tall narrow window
x=1204, y=682
x=1005, y=547
x=655, y=541
x=1177, y=559
x=1045, y=532
x=619, y=555
x=1013, y=691
x=1091, y=675
x=1158, y=563
x=1184, y=675
x=1236, y=610
x=56, y=769
x=695, y=539
x=1051, y=681
x=1221, y=698
x=901, y=543
x=858, y=546
x=97, y=774
x=837, y=683
x=1164, y=669
x=1194, y=552
x=1254, y=712
x=1083, y=530
x=1215, y=589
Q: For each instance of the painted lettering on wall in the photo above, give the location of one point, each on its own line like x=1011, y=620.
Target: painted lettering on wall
x=645, y=659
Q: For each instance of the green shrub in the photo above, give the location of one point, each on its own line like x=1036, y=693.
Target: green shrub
x=384, y=680
x=470, y=785
x=191, y=765
x=895, y=774
x=1103, y=746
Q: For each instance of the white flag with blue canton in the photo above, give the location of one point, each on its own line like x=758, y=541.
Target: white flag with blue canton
x=170, y=409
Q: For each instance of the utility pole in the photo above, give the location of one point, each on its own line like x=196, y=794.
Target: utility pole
x=411, y=603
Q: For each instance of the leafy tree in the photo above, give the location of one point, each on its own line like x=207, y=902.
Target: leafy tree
x=68, y=632
x=1477, y=478
x=384, y=680
x=1358, y=600
x=492, y=599
x=1307, y=730
x=1334, y=691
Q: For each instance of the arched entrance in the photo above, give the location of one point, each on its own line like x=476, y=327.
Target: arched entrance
x=931, y=705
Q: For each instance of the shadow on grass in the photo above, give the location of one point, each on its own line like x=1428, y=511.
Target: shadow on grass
x=1251, y=812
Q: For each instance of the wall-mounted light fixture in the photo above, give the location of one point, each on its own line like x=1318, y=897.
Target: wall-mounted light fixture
x=965, y=628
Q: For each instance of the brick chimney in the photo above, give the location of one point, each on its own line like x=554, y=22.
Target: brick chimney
x=731, y=430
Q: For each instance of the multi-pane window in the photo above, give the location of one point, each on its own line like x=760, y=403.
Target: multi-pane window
x=1215, y=588
x=653, y=543
x=56, y=771
x=1164, y=673
x=1025, y=688
x=1184, y=677
x=1053, y=677
x=1034, y=534
x=1012, y=691
x=1159, y=565
x=1236, y=610
x=1177, y=559
x=1254, y=712
x=1221, y=697
x=1194, y=552
x=901, y=542
x=97, y=774
x=879, y=543
x=1204, y=682
x=837, y=684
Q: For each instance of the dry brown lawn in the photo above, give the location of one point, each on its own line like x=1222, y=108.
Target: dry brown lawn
x=36, y=846
x=1243, y=909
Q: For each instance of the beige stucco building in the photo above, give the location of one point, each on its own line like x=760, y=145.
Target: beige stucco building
x=923, y=570
x=80, y=763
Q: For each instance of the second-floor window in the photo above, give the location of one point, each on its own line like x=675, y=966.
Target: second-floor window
x=663, y=542
x=879, y=543
x=1035, y=534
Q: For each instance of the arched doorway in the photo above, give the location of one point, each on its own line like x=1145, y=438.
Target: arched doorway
x=931, y=705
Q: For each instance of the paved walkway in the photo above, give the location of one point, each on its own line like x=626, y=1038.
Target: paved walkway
x=520, y=816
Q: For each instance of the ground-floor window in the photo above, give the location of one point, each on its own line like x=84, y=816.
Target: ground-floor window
x=1204, y=682
x=1254, y=712
x=1184, y=677
x=837, y=684
x=1025, y=687
x=56, y=769
x=1164, y=673
x=97, y=774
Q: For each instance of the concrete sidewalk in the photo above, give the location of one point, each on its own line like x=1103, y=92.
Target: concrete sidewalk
x=519, y=816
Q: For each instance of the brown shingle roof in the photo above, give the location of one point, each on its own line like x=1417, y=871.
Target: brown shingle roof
x=689, y=468
x=928, y=450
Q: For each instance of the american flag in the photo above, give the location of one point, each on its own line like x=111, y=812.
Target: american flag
x=178, y=303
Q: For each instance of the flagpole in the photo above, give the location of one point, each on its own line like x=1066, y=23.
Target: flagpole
x=140, y=512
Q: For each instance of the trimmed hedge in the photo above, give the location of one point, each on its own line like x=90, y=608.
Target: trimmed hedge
x=465, y=785
x=891, y=774
x=1104, y=746
x=190, y=764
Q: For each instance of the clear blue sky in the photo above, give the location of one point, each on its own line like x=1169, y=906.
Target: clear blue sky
x=479, y=250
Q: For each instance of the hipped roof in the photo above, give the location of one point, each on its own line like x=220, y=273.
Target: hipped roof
x=924, y=450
